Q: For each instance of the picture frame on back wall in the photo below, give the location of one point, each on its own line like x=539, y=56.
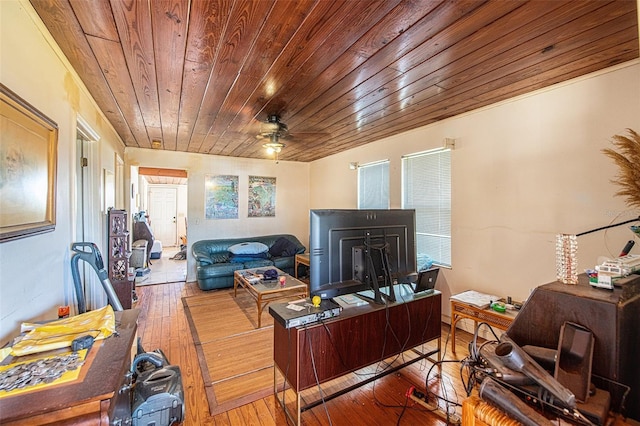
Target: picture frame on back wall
x=28, y=168
x=220, y=197
x=262, y=196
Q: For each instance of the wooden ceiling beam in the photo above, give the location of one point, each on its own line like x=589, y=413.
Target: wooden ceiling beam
x=155, y=171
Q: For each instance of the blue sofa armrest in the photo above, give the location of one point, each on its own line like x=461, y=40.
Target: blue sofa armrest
x=201, y=254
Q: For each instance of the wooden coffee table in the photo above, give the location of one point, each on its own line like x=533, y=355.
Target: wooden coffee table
x=265, y=292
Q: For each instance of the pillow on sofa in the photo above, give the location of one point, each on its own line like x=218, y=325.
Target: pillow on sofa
x=242, y=258
x=283, y=247
x=248, y=248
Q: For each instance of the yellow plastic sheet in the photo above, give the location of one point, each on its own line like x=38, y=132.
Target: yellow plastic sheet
x=100, y=324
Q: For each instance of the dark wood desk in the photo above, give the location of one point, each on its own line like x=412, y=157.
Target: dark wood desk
x=87, y=400
x=351, y=341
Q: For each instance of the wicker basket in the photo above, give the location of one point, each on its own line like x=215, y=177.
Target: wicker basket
x=476, y=412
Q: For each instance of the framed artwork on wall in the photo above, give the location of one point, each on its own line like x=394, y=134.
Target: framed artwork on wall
x=262, y=196
x=28, y=161
x=221, y=197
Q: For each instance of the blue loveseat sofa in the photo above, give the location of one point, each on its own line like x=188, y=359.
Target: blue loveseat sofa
x=215, y=263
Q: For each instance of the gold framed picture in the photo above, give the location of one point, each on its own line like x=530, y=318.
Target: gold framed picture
x=28, y=161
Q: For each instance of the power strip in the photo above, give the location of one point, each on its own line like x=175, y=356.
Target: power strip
x=448, y=417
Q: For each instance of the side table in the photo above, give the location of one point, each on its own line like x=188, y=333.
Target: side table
x=461, y=310
x=300, y=259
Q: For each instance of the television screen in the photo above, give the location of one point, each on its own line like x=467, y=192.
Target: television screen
x=345, y=245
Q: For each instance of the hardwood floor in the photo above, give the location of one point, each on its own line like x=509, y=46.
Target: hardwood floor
x=162, y=324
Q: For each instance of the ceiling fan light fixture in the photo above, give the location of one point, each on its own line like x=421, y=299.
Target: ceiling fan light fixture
x=272, y=147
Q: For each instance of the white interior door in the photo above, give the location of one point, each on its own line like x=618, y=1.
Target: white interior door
x=162, y=214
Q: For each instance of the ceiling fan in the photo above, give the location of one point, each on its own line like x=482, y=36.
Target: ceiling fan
x=273, y=129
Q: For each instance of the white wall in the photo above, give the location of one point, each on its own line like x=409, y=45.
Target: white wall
x=35, y=274
x=292, y=197
x=522, y=171
x=183, y=208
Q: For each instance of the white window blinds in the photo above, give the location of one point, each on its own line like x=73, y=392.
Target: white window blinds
x=427, y=189
x=373, y=185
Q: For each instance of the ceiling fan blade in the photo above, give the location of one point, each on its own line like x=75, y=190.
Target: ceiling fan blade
x=308, y=135
x=269, y=127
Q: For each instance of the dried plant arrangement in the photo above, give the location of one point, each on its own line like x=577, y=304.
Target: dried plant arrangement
x=626, y=155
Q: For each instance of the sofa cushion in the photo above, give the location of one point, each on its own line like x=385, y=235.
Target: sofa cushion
x=242, y=258
x=249, y=248
x=284, y=263
x=218, y=257
x=257, y=263
x=218, y=270
x=283, y=247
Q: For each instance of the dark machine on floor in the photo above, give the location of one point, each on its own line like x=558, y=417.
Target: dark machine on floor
x=152, y=392
x=578, y=363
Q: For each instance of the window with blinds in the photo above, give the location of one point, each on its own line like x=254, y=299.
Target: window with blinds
x=427, y=189
x=373, y=185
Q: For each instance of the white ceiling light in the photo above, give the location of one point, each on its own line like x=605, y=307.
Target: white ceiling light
x=274, y=145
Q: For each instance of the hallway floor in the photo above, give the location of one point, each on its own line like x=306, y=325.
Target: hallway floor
x=165, y=269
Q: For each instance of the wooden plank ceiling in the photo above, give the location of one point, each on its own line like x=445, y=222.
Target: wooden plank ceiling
x=204, y=75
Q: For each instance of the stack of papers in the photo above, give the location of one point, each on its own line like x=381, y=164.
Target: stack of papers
x=349, y=300
x=475, y=298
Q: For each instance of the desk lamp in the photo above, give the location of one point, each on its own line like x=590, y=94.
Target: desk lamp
x=567, y=251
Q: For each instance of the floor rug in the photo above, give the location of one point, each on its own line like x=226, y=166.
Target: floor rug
x=236, y=358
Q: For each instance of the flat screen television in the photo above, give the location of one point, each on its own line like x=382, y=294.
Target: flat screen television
x=352, y=249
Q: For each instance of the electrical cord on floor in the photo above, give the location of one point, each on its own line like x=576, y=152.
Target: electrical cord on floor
x=377, y=371
x=450, y=404
x=407, y=396
x=403, y=348
x=430, y=395
x=315, y=374
x=384, y=345
x=401, y=354
x=424, y=331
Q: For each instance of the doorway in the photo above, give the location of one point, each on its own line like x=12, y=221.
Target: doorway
x=88, y=218
x=163, y=209
x=163, y=197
